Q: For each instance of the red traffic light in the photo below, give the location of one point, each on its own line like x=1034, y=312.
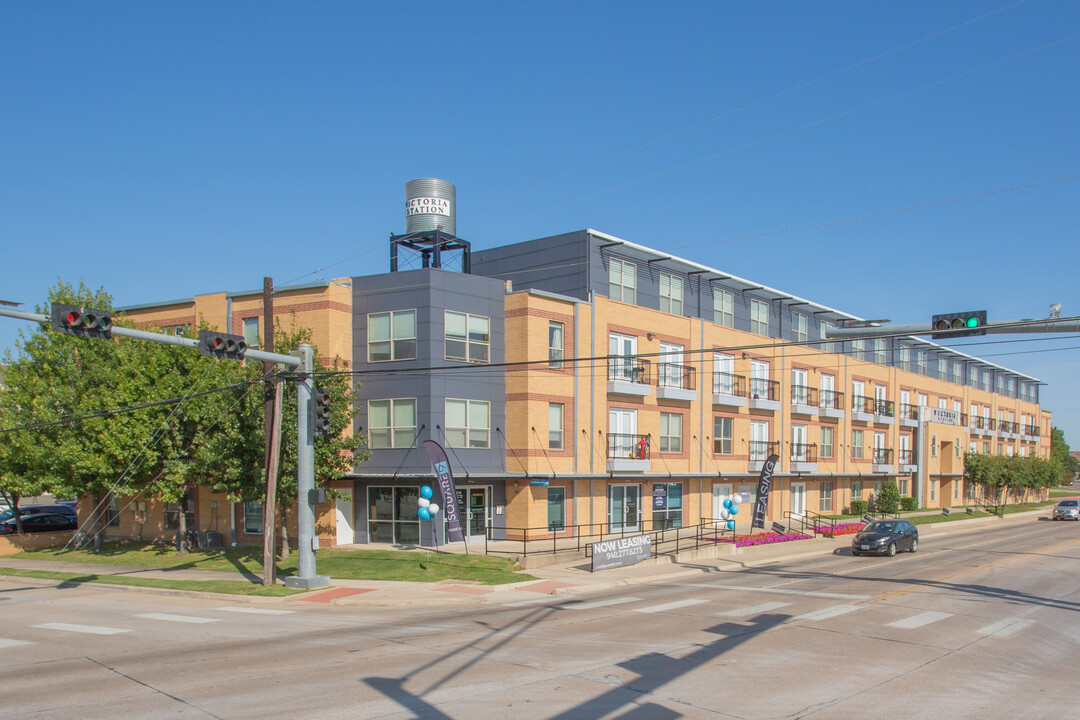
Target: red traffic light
x=73, y=319
x=84, y=322
x=222, y=345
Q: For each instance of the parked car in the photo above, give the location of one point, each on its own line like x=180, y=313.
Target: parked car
x=1067, y=510
x=885, y=537
x=39, y=522
x=67, y=509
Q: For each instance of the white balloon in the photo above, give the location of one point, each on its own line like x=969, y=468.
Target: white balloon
x=737, y=499
x=423, y=501
x=433, y=509
x=725, y=514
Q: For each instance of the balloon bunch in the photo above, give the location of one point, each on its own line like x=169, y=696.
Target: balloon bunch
x=426, y=509
x=731, y=509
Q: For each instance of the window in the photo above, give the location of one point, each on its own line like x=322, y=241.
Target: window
x=956, y=372
x=392, y=515
x=759, y=440
x=622, y=280
x=760, y=387
x=1012, y=387
x=555, y=344
x=671, y=293
x=879, y=351
x=933, y=490
x=253, y=518
x=468, y=423
x=858, y=349
x=667, y=506
x=723, y=307
x=933, y=446
x=722, y=435
x=823, y=333
x=555, y=426
x=759, y=317
x=468, y=337
x=941, y=368
x=251, y=332
x=112, y=512
x=856, y=489
x=827, y=442
x=172, y=512
x=556, y=509
x=391, y=423
x=920, y=357
x=986, y=380
x=973, y=376
x=825, y=498
x=905, y=358
x=670, y=432
x=856, y=444
x=999, y=386
x=391, y=336
x=798, y=327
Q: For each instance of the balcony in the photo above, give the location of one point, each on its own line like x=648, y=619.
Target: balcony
x=1030, y=432
x=728, y=390
x=764, y=394
x=862, y=408
x=676, y=382
x=882, y=460
x=907, y=461
x=760, y=450
x=803, y=457
x=628, y=375
x=628, y=453
x=883, y=411
x=983, y=426
x=909, y=415
x=832, y=404
x=1009, y=429
x=804, y=400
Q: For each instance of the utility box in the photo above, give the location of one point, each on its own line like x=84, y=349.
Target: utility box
x=210, y=541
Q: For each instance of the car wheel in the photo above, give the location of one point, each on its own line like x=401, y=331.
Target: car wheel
x=915, y=545
x=892, y=550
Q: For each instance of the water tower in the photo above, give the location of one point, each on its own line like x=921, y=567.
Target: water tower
x=430, y=238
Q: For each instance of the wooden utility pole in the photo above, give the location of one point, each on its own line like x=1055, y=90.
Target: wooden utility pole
x=272, y=430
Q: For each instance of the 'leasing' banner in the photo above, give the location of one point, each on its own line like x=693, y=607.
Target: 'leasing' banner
x=761, y=505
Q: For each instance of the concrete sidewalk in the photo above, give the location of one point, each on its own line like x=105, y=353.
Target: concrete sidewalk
x=567, y=577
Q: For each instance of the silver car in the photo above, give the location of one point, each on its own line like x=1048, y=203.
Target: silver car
x=1067, y=510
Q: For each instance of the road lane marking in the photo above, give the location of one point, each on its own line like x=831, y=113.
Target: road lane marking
x=826, y=613
x=178, y=618
x=600, y=603
x=917, y=621
x=536, y=601
x=774, y=591
x=755, y=609
x=670, y=606
x=88, y=629
x=6, y=643
x=1006, y=627
x=255, y=611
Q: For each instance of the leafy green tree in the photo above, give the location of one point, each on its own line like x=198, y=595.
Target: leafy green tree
x=887, y=499
x=1065, y=465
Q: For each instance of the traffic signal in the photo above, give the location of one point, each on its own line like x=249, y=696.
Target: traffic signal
x=222, y=345
x=84, y=322
x=961, y=324
x=320, y=411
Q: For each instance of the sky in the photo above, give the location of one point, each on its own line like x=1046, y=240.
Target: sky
x=891, y=160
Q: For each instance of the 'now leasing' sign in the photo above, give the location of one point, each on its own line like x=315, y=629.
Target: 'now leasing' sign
x=622, y=551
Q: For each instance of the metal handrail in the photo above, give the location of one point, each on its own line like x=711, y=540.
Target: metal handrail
x=762, y=449
x=625, y=445
x=763, y=389
x=725, y=383
x=676, y=376
x=833, y=399
x=629, y=368
x=804, y=395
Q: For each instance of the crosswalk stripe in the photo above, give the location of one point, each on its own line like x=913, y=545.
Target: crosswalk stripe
x=917, y=621
x=536, y=601
x=178, y=618
x=772, y=590
x=1006, y=627
x=6, y=643
x=755, y=609
x=829, y=612
x=670, y=606
x=254, y=611
x=88, y=629
x=600, y=603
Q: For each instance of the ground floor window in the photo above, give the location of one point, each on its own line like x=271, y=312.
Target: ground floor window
x=253, y=518
x=903, y=488
x=825, y=497
x=667, y=506
x=556, y=509
x=392, y=515
x=172, y=512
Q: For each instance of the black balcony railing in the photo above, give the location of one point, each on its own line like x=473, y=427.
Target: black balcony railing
x=864, y=404
x=883, y=407
x=882, y=456
x=626, y=446
x=963, y=419
x=909, y=411
x=762, y=389
x=1032, y=430
x=804, y=395
x=1008, y=426
x=724, y=383
x=629, y=368
x=832, y=399
x=907, y=457
x=803, y=452
x=676, y=376
x=762, y=449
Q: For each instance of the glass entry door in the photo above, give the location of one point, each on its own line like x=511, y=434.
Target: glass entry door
x=798, y=499
x=624, y=508
x=474, y=510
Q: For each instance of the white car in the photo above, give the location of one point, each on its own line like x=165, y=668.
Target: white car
x=1067, y=510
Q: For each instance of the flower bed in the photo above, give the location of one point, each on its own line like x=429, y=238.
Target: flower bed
x=844, y=529
x=763, y=539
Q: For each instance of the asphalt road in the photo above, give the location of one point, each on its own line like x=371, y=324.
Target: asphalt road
x=977, y=625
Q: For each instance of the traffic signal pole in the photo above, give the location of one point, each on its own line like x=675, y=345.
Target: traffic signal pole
x=307, y=541
x=999, y=327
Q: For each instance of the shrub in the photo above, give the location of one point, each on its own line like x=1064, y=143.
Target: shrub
x=859, y=507
x=909, y=503
x=888, y=498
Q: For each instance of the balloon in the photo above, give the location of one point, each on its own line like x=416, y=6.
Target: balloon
x=424, y=513
x=422, y=502
x=727, y=503
x=734, y=509
x=730, y=524
x=433, y=509
x=725, y=514
x=425, y=492
x=737, y=499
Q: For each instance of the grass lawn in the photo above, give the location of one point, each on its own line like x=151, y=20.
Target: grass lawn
x=229, y=587
x=413, y=566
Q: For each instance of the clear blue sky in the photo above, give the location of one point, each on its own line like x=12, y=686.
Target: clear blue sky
x=166, y=149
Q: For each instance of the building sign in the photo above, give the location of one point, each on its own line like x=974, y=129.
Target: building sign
x=427, y=206
x=618, y=552
x=537, y=482
x=659, y=496
x=941, y=415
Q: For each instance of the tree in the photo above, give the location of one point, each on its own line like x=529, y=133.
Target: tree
x=888, y=498
x=1065, y=465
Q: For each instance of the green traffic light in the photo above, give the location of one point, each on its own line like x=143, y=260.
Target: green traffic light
x=972, y=322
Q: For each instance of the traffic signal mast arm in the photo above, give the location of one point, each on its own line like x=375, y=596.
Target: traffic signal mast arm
x=999, y=327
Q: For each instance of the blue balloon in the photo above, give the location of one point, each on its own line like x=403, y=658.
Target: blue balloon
x=425, y=492
x=727, y=503
x=423, y=513
x=730, y=524
x=734, y=509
